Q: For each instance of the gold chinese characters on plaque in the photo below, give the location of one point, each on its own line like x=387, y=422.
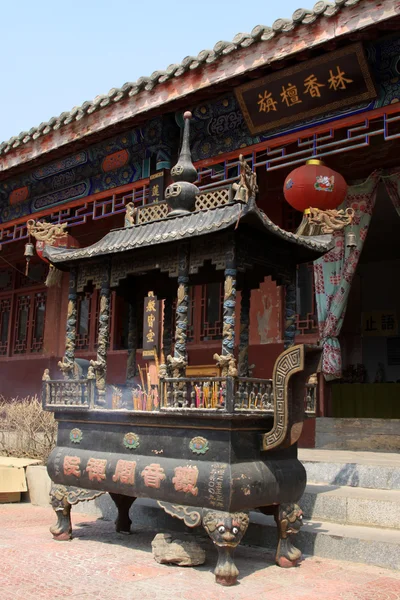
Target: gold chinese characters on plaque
x=383, y=323
x=321, y=85
x=151, y=325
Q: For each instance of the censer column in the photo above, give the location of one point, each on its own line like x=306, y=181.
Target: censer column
x=66, y=365
x=100, y=364
x=178, y=362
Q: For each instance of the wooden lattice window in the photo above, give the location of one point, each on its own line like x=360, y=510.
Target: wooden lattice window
x=30, y=312
x=38, y=319
x=211, y=311
x=22, y=310
x=204, y=314
x=87, y=321
x=22, y=324
x=6, y=280
x=307, y=321
x=37, y=275
x=5, y=314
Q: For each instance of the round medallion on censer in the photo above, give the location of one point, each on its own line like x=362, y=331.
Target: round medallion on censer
x=75, y=435
x=199, y=445
x=131, y=440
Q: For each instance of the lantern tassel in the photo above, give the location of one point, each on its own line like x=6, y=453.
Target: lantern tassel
x=54, y=277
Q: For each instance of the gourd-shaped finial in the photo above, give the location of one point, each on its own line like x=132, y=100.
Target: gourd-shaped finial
x=181, y=195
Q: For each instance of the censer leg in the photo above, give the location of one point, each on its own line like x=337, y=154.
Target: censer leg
x=123, y=503
x=226, y=531
x=289, y=520
x=62, y=530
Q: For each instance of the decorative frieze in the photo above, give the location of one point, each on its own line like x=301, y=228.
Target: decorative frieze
x=121, y=268
x=90, y=272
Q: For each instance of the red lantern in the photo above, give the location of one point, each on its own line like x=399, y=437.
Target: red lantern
x=314, y=185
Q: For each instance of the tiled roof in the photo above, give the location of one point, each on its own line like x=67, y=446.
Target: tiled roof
x=188, y=226
x=301, y=17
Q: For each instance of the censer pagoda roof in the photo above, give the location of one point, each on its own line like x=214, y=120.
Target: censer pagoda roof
x=191, y=225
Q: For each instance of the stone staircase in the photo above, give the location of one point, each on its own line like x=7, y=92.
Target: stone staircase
x=351, y=508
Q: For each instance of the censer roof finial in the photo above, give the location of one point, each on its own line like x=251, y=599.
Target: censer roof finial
x=181, y=195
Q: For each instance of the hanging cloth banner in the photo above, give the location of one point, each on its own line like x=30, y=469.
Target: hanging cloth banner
x=334, y=272
x=392, y=184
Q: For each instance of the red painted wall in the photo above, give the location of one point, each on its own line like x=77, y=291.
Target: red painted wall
x=22, y=376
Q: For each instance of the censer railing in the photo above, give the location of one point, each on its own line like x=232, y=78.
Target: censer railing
x=238, y=394
x=206, y=393
x=254, y=394
x=69, y=393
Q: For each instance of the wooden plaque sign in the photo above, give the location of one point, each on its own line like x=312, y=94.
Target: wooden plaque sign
x=151, y=321
x=156, y=187
x=321, y=85
x=381, y=323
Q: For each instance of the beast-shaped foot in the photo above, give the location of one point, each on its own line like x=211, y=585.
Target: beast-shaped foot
x=123, y=503
x=226, y=531
x=62, y=530
x=289, y=520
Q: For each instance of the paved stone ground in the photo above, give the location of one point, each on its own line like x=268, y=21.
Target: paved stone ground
x=100, y=564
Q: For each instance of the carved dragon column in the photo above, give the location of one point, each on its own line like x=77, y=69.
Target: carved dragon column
x=178, y=362
x=243, y=363
x=226, y=361
x=132, y=342
x=100, y=364
x=66, y=365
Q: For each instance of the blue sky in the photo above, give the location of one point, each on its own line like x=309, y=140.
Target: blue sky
x=56, y=55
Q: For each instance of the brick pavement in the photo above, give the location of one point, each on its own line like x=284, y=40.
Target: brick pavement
x=101, y=564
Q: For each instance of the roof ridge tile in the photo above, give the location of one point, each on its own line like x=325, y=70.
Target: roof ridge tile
x=259, y=33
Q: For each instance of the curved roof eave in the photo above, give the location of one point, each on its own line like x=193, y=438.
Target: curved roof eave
x=285, y=37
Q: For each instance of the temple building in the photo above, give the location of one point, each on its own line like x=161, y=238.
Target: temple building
x=321, y=86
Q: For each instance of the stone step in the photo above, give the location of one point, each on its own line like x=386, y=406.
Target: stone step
x=352, y=505
x=374, y=470
x=368, y=545
x=357, y=434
